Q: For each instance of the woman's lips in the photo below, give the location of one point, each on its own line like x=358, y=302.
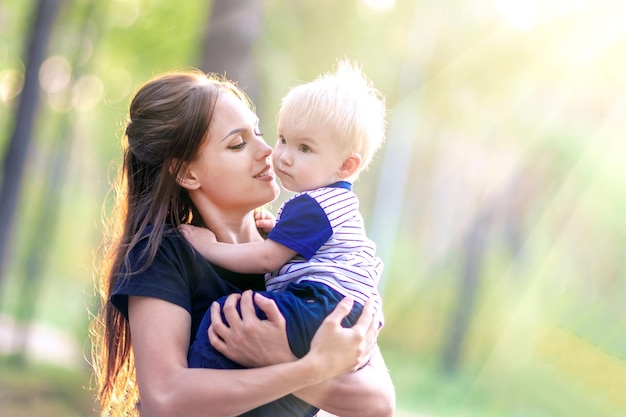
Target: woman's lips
x=267, y=174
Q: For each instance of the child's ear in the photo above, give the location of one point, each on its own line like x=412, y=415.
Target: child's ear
x=187, y=178
x=350, y=166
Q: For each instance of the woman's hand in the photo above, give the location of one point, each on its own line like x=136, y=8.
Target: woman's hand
x=246, y=339
x=335, y=350
x=346, y=349
x=368, y=392
x=253, y=342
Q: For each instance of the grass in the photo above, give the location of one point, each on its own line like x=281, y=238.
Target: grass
x=494, y=389
x=523, y=357
x=33, y=389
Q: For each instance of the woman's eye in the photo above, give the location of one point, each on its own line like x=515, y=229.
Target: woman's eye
x=237, y=145
x=258, y=134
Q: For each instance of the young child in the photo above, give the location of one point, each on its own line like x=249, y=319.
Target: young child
x=318, y=252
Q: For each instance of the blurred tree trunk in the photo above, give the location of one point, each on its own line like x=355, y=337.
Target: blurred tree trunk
x=14, y=160
x=47, y=217
x=509, y=206
x=398, y=156
x=228, y=43
x=474, y=252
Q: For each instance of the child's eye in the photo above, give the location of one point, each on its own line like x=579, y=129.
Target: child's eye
x=281, y=140
x=258, y=134
x=305, y=148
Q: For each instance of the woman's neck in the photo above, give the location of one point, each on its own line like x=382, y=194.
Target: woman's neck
x=232, y=228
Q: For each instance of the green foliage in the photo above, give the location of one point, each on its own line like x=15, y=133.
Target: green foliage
x=518, y=121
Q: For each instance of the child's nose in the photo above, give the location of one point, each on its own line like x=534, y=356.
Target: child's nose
x=285, y=158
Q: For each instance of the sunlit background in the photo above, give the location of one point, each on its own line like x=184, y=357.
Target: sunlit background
x=497, y=202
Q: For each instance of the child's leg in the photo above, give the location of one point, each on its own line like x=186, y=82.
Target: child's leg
x=202, y=354
x=305, y=305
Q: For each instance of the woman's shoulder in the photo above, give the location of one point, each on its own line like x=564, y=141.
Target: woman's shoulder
x=170, y=270
x=175, y=245
x=160, y=246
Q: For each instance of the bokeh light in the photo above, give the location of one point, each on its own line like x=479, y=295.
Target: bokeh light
x=496, y=200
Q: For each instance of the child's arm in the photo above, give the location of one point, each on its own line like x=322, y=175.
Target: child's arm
x=245, y=258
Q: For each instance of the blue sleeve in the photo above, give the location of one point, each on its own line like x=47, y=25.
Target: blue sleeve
x=303, y=226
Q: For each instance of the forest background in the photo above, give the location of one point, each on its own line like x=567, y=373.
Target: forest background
x=495, y=202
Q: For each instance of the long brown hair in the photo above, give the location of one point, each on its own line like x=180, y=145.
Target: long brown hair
x=168, y=121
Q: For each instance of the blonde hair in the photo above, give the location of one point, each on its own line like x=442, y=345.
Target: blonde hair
x=345, y=101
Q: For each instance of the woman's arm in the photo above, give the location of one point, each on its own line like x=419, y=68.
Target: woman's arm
x=167, y=387
x=366, y=392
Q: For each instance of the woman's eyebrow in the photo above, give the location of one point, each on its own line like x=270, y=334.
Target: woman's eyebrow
x=233, y=132
x=240, y=130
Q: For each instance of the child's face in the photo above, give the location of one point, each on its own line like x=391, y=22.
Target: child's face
x=306, y=157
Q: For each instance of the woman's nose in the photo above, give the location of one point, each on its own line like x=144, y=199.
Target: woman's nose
x=265, y=150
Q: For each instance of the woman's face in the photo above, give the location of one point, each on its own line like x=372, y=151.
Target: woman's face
x=232, y=169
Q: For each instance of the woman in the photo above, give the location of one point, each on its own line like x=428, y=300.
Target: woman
x=195, y=155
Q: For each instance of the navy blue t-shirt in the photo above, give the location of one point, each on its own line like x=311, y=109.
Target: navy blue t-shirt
x=180, y=275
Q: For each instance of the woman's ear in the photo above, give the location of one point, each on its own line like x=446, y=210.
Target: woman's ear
x=350, y=166
x=186, y=178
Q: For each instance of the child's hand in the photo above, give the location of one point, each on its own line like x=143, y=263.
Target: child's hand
x=264, y=220
x=199, y=237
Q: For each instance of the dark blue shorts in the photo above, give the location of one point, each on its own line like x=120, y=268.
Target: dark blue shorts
x=304, y=306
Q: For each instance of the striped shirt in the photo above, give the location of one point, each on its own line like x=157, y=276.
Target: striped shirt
x=326, y=229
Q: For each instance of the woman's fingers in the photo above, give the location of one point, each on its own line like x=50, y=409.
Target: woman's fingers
x=366, y=331
x=371, y=334
x=342, y=309
x=230, y=310
x=366, y=319
x=217, y=327
x=244, y=337
x=375, y=323
x=347, y=349
x=246, y=307
x=268, y=306
x=341, y=348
